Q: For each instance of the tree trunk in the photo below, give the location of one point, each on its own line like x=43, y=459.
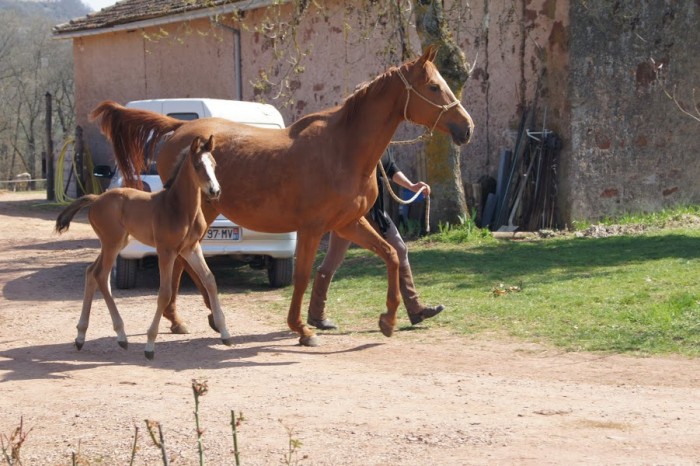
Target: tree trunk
x=442, y=156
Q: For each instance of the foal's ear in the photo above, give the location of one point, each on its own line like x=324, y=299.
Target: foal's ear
x=196, y=145
x=430, y=53
x=209, y=146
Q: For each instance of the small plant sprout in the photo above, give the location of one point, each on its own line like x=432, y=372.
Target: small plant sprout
x=199, y=389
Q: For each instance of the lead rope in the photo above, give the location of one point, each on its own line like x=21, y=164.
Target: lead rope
x=427, y=133
x=409, y=201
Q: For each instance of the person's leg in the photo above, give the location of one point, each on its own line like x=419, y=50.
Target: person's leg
x=417, y=312
x=337, y=247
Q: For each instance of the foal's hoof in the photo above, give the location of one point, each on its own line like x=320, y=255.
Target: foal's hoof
x=124, y=344
x=227, y=341
x=79, y=344
x=179, y=329
x=387, y=329
x=212, y=324
x=149, y=355
x=309, y=341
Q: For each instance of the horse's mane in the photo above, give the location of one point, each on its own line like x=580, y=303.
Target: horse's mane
x=133, y=134
x=304, y=122
x=364, y=91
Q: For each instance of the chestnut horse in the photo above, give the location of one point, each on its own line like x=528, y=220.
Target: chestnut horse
x=315, y=176
x=170, y=220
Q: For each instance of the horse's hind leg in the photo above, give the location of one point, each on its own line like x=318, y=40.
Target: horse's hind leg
x=97, y=276
x=362, y=233
x=199, y=267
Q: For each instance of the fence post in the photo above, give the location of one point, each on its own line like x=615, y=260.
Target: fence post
x=47, y=166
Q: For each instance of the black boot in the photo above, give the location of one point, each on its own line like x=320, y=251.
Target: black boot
x=317, y=306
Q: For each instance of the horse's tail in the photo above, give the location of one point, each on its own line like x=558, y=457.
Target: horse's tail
x=67, y=214
x=130, y=130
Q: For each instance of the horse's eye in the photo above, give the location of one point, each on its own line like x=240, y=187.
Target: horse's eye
x=434, y=87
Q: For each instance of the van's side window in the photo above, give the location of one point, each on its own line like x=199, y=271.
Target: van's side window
x=187, y=116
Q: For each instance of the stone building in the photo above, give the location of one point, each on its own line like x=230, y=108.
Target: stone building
x=597, y=71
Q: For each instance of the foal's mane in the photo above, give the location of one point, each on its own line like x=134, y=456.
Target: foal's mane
x=176, y=169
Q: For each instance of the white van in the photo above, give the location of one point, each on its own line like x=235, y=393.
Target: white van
x=271, y=251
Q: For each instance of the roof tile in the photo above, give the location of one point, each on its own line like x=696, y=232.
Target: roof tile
x=130, y=11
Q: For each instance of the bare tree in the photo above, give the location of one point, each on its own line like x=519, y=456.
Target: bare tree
x=28, y=72
x=443, y=157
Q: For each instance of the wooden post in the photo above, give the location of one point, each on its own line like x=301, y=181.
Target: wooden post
x=48, y=171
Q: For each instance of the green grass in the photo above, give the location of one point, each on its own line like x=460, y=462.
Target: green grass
x=657, y=219
x=628, y=294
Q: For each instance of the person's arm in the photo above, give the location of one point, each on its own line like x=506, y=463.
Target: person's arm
x=401, y=179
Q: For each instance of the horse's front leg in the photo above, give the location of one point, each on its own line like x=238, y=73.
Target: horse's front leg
x=362, y=234
x=177, y=325
x=307, y=245
x=89, y=293
x=199, y=267
x=166, y=261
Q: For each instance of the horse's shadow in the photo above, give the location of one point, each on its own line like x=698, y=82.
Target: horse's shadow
x=59, y=360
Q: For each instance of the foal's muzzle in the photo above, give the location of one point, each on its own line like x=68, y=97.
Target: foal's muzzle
x=214, y=193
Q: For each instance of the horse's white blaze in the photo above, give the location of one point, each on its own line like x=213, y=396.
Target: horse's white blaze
x=446, y=88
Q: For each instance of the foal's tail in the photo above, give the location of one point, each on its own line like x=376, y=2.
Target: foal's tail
x=131, y=131
x=67, y=214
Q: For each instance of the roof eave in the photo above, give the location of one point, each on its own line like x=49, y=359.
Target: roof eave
x=176, y=18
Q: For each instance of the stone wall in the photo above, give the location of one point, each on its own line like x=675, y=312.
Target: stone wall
x=631, y=149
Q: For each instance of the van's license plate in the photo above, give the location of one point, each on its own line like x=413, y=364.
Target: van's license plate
x=223, y=234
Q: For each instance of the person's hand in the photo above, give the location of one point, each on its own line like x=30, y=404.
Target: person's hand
x=419, y=185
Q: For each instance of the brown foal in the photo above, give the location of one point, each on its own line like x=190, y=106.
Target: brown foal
x=170, y=220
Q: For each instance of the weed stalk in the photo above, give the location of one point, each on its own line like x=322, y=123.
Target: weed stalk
x=234, y=425
x=199, y=389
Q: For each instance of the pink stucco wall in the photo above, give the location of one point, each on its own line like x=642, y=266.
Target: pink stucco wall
x=192, y=60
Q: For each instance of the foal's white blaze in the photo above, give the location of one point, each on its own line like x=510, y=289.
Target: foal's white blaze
x=207, y=162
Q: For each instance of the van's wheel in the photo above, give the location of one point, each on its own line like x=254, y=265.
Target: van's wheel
x=281, y=272
x=125, y=273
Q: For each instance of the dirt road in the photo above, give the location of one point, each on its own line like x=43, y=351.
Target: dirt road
x=359, y=399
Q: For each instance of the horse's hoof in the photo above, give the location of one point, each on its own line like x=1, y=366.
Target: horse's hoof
x=387, y=330
x=149, y=355
x=227, y=341
x=212, y=324
x=179, y=329
x=124, y=344
x=309, y=341
x=79, y=344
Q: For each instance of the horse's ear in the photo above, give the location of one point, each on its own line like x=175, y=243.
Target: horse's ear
x=430, y=53
x=209, y=146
